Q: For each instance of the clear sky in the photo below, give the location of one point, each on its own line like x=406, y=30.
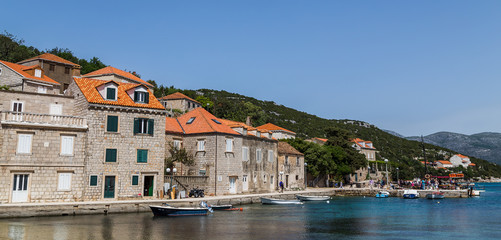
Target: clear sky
x=414, y=67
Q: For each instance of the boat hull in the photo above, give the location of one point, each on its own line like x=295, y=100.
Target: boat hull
x=382, y=195
x=273, y=201
x=410, y=196
x=312, y=198
x=434, y=196
x=169, y=211
x=221, y=207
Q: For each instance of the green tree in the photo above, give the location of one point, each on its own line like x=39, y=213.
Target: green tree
x=206, y=102
x=180, y=155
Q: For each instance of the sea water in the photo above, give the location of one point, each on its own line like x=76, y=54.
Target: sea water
x=340, y=218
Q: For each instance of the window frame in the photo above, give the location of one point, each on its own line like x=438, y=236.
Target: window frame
x=19, y=103
x=29, y=148
x=229, y=144
x=117, y=126
x=140, y=156
x=132, y=180
x=144, y=126
x=259, y=155
x=106, y=155
x=201, y=147
x=60, y=187
x=90, y=180
x=107, y=93
x=271, y=155
x=72, y=147
x=245, y=154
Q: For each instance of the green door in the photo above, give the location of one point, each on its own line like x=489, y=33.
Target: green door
x=109, y=187
x=148, y=186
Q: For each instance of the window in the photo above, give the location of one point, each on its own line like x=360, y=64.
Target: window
x=17, y=106
x=142, y=155
x=38, y=73
x=270, y=155
x=112, y=123
x=177, y=144
x=201, y=145
x=216, y=121
x=141, y=97
x=258, y=134
x=51, y=67
x=0, y=71
x=286, y=160
x=135, y=180
x=93, y=180
x=229, y=145
x=111, y=155
x=143, y=126
x=258, y=155
x=190, y=121
x=111, y=93
x=264, y=178
x=42, y=89
x=245, y=154
x=297, y=161
x=24, y=143
x=67, y=143
x=202, y=172
x=64, y=183
x=67, y=70
x=297, y=177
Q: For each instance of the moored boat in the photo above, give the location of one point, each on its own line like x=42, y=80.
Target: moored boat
x=274, y=201
x=382, y=194
x=435, y=195
x=411, y=194
x=312, y=198
x=227, y=207
x=170, y=211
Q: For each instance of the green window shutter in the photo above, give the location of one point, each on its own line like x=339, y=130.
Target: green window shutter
x=135, y=180
x=151, y=123
x=142, y=156
x=112, y=125
x=110, y=93
x=111, y=155
x=93, y=180
x=136, y=125
x=147, y=98
x=135, y=96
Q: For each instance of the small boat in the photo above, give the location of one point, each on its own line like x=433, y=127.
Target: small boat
x=411, y=194
x=170, y=211
x=435, y=195
x=226, y=207
x=312, y=198
x=382, y=194
x=274, y=201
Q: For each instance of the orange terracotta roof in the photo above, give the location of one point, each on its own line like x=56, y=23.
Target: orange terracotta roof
x=358, y=141
x=89, y=86
x=172, y=126
x=321, y=139
x=472, y=164
x=111, y=70
x=203, y=123
x=22, y=71
x=286, y=148
x=178, y=95
x=273, y=127
x=51, y=57
x=231, y=123
x=461, y=156
x=445, y=162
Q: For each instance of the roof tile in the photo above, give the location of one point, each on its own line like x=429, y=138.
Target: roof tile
x=273, y=127
x=178, y=95
x=111, y=70
x=51, y=57
x=21, y=70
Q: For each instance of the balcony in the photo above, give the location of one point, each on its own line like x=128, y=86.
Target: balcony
x=41, y=120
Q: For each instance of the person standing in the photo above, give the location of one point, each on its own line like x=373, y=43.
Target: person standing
x=281, y=186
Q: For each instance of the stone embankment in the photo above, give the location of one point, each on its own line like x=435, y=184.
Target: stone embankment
x=105, y=207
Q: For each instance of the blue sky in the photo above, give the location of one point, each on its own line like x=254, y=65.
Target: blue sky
x=414, y=67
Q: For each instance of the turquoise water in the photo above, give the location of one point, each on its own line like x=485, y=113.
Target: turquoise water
x=341, y=218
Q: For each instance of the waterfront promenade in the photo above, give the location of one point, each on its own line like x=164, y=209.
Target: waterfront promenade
x=141, y=205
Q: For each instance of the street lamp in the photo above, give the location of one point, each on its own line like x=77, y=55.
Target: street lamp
x=386, y=161
x=174, y=170
x=305, y=176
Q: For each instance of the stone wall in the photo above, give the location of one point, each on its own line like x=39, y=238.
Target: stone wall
x=58, y=74
x=10, y=78
x=262, y=176
x=36, y=102
x=293, y=172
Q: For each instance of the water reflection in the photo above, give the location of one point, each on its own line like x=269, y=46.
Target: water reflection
x=16, y=231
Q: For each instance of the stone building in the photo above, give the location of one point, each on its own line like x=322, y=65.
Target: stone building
x=179, y=101
x=278, y=132
x=291, y=166
x=42, y=148
x=59, y=69
x=232, y=157
x=461, y=160
x=125, y=147
x=27, y=78
x=320, y=141
x=117, y=75
x=372, y=171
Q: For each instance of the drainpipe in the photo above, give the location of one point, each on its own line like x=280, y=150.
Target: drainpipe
x=215, y=170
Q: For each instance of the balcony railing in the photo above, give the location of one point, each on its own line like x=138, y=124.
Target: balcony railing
x=25, y=118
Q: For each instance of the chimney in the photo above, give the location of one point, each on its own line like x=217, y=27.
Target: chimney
x=248, y=121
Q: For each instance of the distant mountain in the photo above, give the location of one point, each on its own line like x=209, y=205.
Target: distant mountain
x=394, y=133
x=485, y=145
